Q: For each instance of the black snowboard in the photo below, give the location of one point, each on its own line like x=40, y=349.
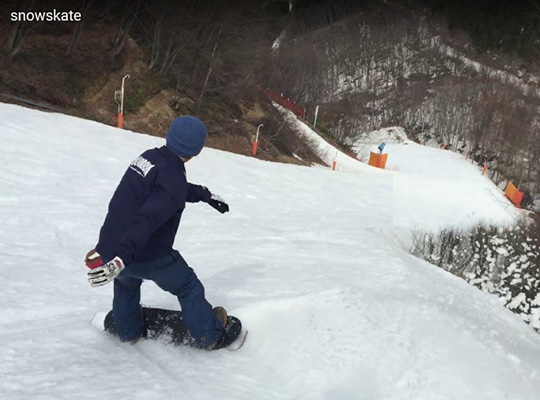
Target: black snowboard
x=169, y=326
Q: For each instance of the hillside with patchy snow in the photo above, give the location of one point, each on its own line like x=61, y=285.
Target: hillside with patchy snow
x=334, y=309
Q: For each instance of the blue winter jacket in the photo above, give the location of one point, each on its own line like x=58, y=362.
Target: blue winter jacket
x=145, y=211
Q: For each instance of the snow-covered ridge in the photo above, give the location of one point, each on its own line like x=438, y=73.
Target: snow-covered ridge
x=334, y=310
x=328, y=153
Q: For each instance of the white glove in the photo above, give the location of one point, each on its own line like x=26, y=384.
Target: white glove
x=105, y=273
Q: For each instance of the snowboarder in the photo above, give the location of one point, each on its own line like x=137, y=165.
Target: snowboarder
x=135, y=241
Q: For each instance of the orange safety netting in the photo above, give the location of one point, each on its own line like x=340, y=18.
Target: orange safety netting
x=378, y=160
x=514, y=194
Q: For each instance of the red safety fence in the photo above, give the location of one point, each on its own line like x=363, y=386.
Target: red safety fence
x=284, y=102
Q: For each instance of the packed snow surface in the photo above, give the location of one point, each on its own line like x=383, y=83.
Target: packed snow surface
x=433, y=188
x=334, y=309
x=436, y=188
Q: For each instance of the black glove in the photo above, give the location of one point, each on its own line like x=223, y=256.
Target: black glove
x=218, y=203
x=212, y=199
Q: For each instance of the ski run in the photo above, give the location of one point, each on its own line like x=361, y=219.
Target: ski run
x=313, y=261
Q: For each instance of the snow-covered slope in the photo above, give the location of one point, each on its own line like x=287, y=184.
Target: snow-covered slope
x=436, y=188
x=328, y=153
x=431, y=188
x=334, y=311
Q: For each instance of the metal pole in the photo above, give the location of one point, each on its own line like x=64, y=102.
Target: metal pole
x=316, y=113
x=256, y=142
x=121, y=113
x=257, y=135
x=122, y=101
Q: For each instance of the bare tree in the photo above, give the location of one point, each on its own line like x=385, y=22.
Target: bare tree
x=77, y=30
x=178, y=40
x=129, y=17
x=210, y=66
x=158, y=30
x=19, y=30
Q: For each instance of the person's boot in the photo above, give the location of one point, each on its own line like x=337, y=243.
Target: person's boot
x=221, y=315
x=233, y=328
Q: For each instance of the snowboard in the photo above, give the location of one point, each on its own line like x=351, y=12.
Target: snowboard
x=168, y=326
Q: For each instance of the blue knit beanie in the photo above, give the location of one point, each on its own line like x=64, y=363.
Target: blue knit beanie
x=186, y=136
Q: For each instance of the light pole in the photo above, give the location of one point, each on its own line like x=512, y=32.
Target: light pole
x=117, y=94
x=256, y=142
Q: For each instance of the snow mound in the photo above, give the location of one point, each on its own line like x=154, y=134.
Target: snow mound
x=370, y=142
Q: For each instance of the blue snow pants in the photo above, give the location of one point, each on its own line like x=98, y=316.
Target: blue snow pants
x=172, y=274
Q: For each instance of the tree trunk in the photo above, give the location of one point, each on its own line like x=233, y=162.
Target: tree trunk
x=170, y=62
x=156, y=43
x=14, y=33
x=18, y=31
x=127, y=22
x=210, y=67
x=15, y=43
x=77, y=30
